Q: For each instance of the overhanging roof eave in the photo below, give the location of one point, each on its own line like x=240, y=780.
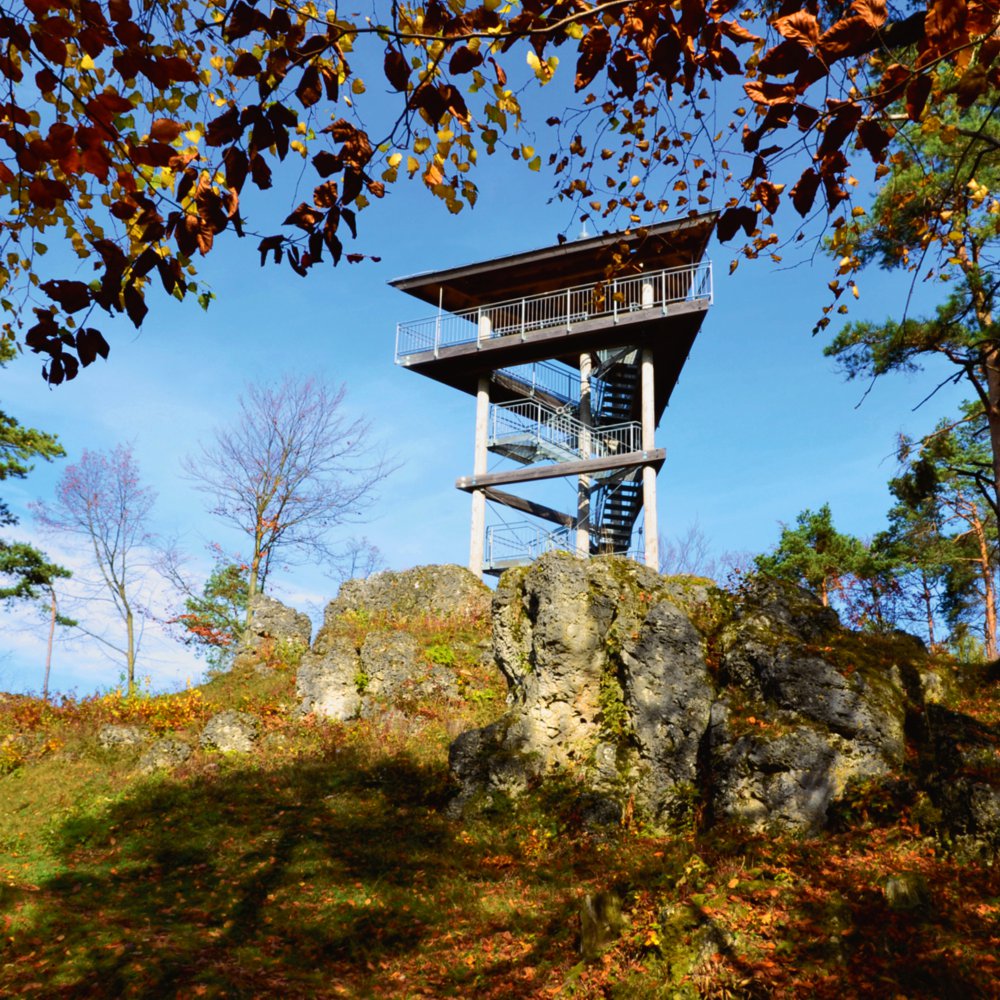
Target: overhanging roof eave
x=460, y=282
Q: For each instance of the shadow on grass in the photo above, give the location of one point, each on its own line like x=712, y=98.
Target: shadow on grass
x=309, y=880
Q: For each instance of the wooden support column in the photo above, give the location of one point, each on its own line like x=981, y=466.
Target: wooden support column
x=649, y=471
x=584, y=482
x=478, y=534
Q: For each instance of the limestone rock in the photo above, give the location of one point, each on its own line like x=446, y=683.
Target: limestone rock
x=231, y=731
x=163, y=754
x=555, y=627
x=328, y=678
x=394, y=671
x=364, y=661
x=437, y=591
x=273, y=624
x=963, y=778
x=669, y=694
x=682, y=699
x=113, y=737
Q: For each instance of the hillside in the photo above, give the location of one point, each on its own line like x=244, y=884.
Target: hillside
x=324, y=862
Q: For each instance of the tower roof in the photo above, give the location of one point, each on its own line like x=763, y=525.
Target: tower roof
x=664, y=245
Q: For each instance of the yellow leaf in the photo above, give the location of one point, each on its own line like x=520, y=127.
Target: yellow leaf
x=535, y=164
x=358, y=86
x=421, y=144
x=395, y=160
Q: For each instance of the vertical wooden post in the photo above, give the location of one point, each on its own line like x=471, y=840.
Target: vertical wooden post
x=584, y=482
x=478, y=534
x=652, y=541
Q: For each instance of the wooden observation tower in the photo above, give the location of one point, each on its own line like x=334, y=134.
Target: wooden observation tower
x=572, y=353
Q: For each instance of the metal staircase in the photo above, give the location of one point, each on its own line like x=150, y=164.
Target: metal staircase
x=616, y=509
x=540, y=422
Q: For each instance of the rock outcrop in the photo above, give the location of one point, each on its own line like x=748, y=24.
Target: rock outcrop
x=274, y=628
x=364, y=659
x=685, y=702
x=231, y=732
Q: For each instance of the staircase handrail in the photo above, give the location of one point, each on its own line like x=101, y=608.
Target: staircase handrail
x=562, y=430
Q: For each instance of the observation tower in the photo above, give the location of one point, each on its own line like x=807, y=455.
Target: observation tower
x=572, y=353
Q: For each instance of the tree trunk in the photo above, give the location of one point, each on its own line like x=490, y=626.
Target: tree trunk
x=48, y=651
x=130, y=652
x=929, y=606
x=989, y=588
x=252, y=583
x=991, y=365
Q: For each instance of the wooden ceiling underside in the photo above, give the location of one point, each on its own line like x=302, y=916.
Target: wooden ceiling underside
x=578, y=262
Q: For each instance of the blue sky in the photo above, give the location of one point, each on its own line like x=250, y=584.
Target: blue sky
x=759, y=428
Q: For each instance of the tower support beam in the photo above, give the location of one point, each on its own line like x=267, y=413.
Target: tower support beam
x=652, y=541
x=584, y=482
x=478, y=534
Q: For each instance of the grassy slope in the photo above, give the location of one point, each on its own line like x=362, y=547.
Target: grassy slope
x=321, y=865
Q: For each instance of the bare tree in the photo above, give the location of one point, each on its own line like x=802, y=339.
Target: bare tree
x=291, y=467
x=101, y=500
x=688, y=554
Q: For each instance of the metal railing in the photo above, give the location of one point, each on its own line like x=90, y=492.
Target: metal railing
x=534, y=424
x=510, y=544
x=563, y=308
x=523, y=542
x=548, y=377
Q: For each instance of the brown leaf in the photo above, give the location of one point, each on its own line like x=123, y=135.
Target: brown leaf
x=225, y=128
x=120, y=10
x=804, y=192
x=732, y=219
x=46, y=81
x=90, y=344
x=847, y=37
x=839, y=126
x=916, y=96
x=873, y=137
x=165, y=130
x=135, y=305
x=45, y=192
x=736, y=31
x=464, y=60
x=309, y=89
x=871, y=11
x=784, y=59
x=305, y=217
x=944, y=18
x=594, y=51
x=801, y=27
x=235, y=161
x=767, y=194
x=396, y=68
x=247, y=65
x=770, y=93
x=72, y=296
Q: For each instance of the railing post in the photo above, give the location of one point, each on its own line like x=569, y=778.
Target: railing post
x=523, y=307
x=614, y=299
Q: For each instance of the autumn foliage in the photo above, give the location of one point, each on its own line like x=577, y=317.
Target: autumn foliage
x=133, y=128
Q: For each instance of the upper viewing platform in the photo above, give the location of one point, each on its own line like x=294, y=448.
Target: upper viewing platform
x=590, y=294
